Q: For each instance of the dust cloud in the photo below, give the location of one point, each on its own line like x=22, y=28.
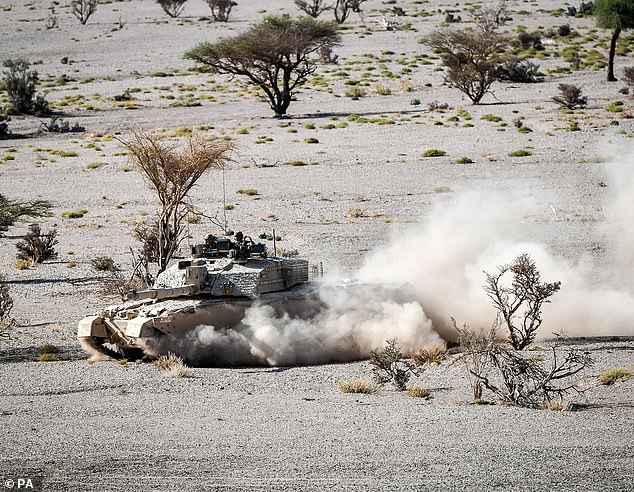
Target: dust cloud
x=442, y=260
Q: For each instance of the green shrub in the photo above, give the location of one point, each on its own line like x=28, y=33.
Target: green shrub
x=311, y=140
x=433, y=153
x=491, y=117
x=76, y=214
x=247, y=191
x=21, y=86
x=464, y=160
x=520, y=153
x=614, y=375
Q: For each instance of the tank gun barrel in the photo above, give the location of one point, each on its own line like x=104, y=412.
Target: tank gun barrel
x=163, y=293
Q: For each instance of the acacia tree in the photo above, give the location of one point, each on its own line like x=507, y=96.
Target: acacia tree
x=473, y=58
x=221, y=9
x=173, y=8
x=172, y=171
x=617, y=15
x=83, y=9
x=274, y=55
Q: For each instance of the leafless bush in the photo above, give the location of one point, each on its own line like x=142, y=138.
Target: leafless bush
x=389, y=365
x=172, y=365
x=6, y=304
x=476, y=348
x=488, y=19
x=433, y=354
x=83, y=9
x=628, y=75
x=570, y=97
x=472, y=59
x=221, y=9
x=104, y=264
x=171, y=173
x=173, y=8
x=314, y=8
x=525, y=292
x=357, y=386
x=37, y=246
x=343, y=9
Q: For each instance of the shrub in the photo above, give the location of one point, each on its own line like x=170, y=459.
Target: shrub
x=83, y=9
x=526, y=293
x=104, y=264
x=418, y=391
x=464, y=160
x=11, y=211
x=173, y=8
x=521, y=71
x=628, y=75
x=4, y=126
x=75, y=214
x=356, y=92
x=433, y=354
x=311, y=140
x=617, y=15
x=274, y=55
x=343, y=9
x=415, y=102
x=472, y=59
x=221, y=9
x=6, y=305
x=57, y=125
x=528, y=40
x=520, y=153
x=563, y=30
x=47, y=353
x=357, y=386
x=21, y=86
x=36, y=246
x=570, y=97
x=389, y=365
x=172, y=365
x=247, y=191
x=314, y=8
x=614, y=375
x=488, y=19
x=433, y=153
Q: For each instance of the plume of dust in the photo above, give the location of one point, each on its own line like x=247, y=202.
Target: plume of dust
x=352, y=321
x=445, y=259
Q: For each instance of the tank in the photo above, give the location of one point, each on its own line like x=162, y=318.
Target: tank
x=215, y=286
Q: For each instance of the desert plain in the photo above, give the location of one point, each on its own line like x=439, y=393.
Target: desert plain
x=366, y=204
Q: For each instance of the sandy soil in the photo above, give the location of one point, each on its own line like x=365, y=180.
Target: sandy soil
x=106, y=426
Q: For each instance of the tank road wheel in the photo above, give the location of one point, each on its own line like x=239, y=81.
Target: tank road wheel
x=96, y=346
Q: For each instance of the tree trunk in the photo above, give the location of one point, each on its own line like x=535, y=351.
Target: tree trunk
x=615, y=36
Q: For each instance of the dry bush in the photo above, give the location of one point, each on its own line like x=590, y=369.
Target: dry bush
x=314, y=8
x=104, y=264
x=389, y=365
x=628, y=75
x=570, y=97
x=83, y=9
x=472, y=58
x=476, y=348
x=527, y=40
x=173, y=8
x=343, y=9
x=221, y=9
x=488, y=19
x=171, y=172
x=559, y=406
x=418, y=391
x=6, y=305
x=36, y=246
x=276, y=55
x=433, y=354
x=172, y=365
x=357, y=386
x=525, y=295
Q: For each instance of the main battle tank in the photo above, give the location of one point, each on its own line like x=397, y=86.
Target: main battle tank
x=221, y=280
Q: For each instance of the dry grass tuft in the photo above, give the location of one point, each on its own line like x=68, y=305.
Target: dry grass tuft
x=172, y=365
x=559, y=406
x=357, y=386
x=418, y=391
x=614, y=375
x=433, y=354
x=47, y=353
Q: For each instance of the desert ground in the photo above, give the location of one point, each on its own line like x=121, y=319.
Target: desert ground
x=367, y=202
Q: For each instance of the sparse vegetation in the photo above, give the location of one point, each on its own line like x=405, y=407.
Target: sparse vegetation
x=418, y=391
x=247, y=191
x=36, y=246
x=74, y=214
x=614, y=375
x=520, y=153
x=47, y=353
x=433, y=354
x=274, y=55
x=83, y=9
x=104, y=264
x=173, y=8
x=570, y=97
x=21, y=85
x=12, y=211
x=173, y=366
x=389, y=365
x=433, y=153
x=357, y=386
x=464, y=160
x=526, y=292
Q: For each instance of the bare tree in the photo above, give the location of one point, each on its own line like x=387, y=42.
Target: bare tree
x=472, y=59
x=171, y=172
x=488, y=19
x=83, y=9
x=314, y=8
x=173, y=8
x=343, y=9
x=221, y=9
x=275, y=55
x=526, y=291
